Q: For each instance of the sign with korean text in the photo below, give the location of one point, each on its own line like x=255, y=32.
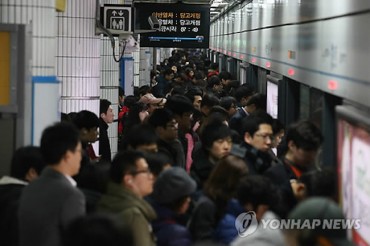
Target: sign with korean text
x=180, y=25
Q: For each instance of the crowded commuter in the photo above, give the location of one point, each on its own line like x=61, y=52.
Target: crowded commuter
x=315, y=212
x=106, y=117
x=87, y=123
x=211, y=220
x=26, y=165
x=51, y=202
x=125, y=108
x=225, y=78
x=91, y=178
x=257, y=141
x=152, y=102
x=195, y=95
x=130, y=181
x=97, y=230
x=137, y=115
x=257, y=193
x=303, y=140
x=157, y=162
x=214, y=86
x=242, y=95
x=229, y=104
x=164, y=82
x=213, y=70
x=321, y=182
x=141, y=137
x=216, y=144
x=166, y=127
x=279, y=131
x=171, y=200
x=208, y=101
x=182, y=109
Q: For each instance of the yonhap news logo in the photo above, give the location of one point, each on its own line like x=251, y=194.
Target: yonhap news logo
x=311, y=224
x=246, y=224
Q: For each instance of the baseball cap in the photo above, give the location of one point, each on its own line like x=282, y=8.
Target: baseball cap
x=172, y=184
x=320, y=208
x=151, y=99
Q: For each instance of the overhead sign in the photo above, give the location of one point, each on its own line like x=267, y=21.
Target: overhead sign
x=180, y=25
x=117, y=18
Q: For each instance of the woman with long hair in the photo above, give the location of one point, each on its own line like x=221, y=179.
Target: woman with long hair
x=210, y=220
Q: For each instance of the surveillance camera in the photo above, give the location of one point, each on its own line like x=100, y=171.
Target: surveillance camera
x=154, y=22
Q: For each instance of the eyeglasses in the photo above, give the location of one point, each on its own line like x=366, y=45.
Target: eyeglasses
x=147, y=171
x=265, y=136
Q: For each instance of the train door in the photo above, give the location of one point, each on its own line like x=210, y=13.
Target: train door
x=288, y=101
x=318, y=107
x=222, y=62
x=243, y=72
x=216, y=57
x=329, y=104
x=272, y=94
x=212, y=55
x=231, y=66
x=262, y=73
x=237, y=70
x=252, y=76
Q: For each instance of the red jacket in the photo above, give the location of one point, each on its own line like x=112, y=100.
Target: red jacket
x=122, y=113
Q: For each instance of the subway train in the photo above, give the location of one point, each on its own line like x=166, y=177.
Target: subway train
x=310, y=57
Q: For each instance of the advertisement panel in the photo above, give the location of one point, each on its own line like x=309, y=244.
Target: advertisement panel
x=272, y=99
x=353, y=155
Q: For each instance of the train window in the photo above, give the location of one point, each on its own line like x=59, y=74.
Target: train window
x=262, y=75
x=252, y=76
x=243, y=72
x=272, y=99
x=310, y=104
x=222, y=62
x=304, y=102
x=231, y=66
x=316, y=106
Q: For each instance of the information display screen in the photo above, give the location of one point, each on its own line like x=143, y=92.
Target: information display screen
x=180, y=25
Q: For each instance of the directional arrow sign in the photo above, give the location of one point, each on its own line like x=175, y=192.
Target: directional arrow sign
x=117, y=18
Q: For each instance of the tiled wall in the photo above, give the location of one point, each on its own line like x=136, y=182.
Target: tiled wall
x=65, y=45
x=78, y=57
x=41, y=15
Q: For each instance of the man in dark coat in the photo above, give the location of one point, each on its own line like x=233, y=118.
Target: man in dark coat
x=106, y=117
x=51, y=202
x=27, y=164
